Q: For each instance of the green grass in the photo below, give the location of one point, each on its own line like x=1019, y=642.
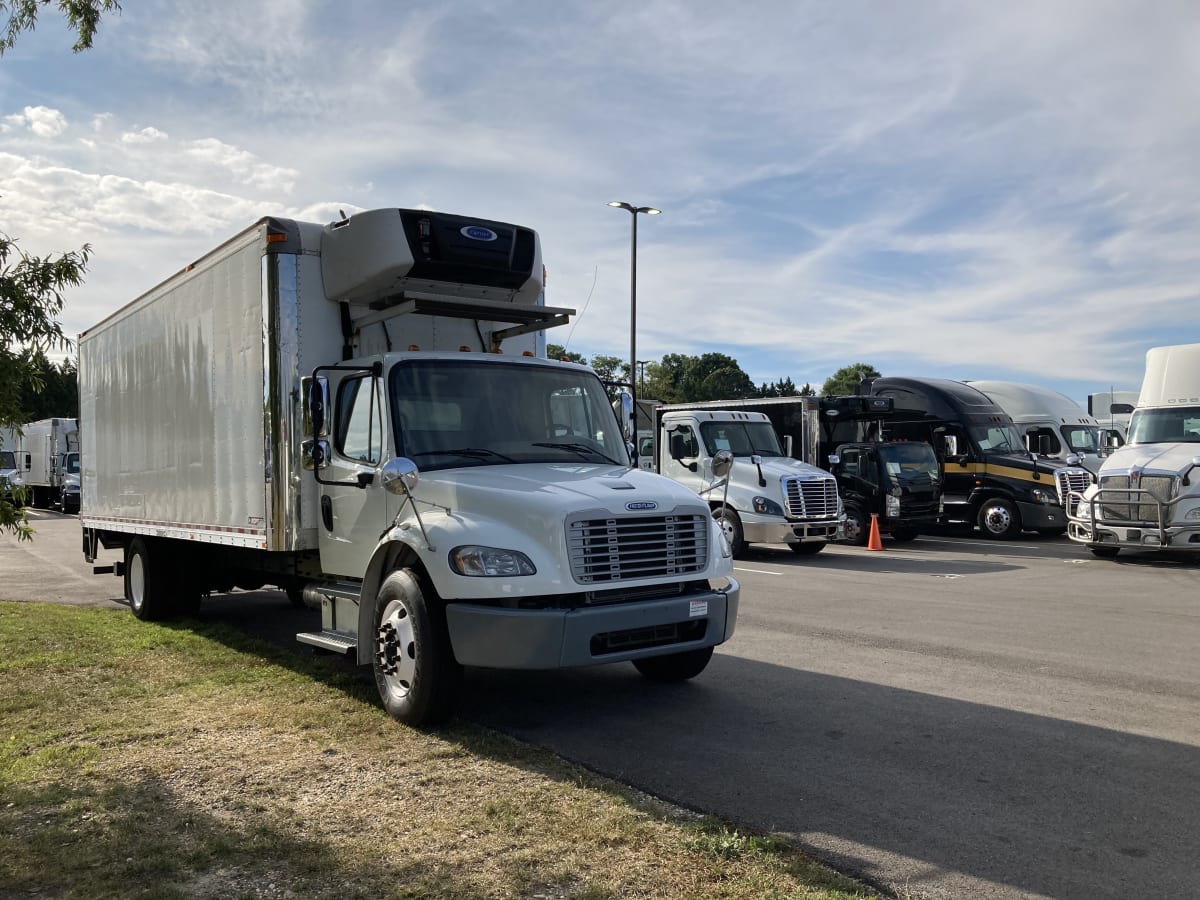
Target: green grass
x=143, y=760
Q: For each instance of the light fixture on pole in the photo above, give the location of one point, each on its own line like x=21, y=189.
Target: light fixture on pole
x=633, y=210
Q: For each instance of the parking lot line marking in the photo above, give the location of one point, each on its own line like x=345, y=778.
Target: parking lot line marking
x=999, y=545
x=757, y=571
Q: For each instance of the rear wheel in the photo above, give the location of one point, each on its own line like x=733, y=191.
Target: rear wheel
x=158, y=582
x=903, y=535
x=998, y=518
x=808, y=548
x=1105, y=552
x=418, y=679
x=731, y=527
x=675, y=666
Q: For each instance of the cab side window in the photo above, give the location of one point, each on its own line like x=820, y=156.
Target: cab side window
x=359, y=429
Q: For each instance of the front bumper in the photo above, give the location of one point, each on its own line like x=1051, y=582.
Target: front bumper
x=793, y=532
x=1149, y=533
x=502, y=638
x=1042, y=515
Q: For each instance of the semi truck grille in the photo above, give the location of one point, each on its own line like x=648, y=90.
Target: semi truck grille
x=1071, y=480
x=620, y=549
x=1160, y=487
x=811, y=498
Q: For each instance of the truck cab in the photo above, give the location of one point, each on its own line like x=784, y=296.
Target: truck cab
x=767, y=497
x=1052, y=423
x=1146, y=495
x=898, y=482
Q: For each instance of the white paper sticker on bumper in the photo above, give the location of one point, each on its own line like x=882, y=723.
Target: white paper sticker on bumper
x=698, y=608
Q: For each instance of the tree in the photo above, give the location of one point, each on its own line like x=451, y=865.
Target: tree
x=847, y=379
x=83, y=16
x=558, y=351
x=714, y=376
x=31, y=287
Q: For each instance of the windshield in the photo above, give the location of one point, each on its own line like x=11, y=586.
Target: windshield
x=451, y=413
x=998, y=437
x=72, y=463
x=7, y=460
x=909, y=462
x=1080, y=438
x=740, y=438
x=1179, y=424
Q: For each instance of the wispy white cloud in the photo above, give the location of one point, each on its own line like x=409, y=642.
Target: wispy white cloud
x=43, y=122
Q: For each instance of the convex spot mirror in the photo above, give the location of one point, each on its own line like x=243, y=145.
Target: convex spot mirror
x=399, y=475
x=722, y=463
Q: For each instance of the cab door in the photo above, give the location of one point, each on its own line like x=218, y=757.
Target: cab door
x=352, y=504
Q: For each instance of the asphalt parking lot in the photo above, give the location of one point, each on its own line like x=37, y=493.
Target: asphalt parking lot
x=951, y=717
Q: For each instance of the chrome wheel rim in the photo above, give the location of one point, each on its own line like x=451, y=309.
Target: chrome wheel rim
x=396, y=650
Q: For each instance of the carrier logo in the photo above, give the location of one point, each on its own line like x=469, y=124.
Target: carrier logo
x=478, y=233
x=641, y=504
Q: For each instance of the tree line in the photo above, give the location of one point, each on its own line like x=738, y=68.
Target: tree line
x=679, y=378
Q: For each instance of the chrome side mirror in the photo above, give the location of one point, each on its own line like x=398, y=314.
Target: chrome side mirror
x=314, y=454
x=399, y=476
x=315, y=391
x=721, y=464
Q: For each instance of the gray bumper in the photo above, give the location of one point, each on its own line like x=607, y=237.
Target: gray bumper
x=556, y=638
x=791, y=532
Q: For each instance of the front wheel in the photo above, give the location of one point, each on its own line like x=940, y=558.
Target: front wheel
x=418, y=678
x=903, y=535
x=675, y=666
x=731, y=527
x=1105, y=552
x=809, y=548
x=857, y=527
x=999, y=519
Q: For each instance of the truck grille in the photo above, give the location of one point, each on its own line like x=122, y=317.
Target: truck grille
x=1160, y=487
x=811, y=498
x=1071, y=479
x=621, y=549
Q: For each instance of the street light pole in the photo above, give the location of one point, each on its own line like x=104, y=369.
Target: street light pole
x=633, y=211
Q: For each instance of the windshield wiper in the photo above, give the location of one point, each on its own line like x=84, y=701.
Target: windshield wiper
x=581, y=449
x=469, y=452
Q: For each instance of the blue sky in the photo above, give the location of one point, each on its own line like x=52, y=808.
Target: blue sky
x=965, y=190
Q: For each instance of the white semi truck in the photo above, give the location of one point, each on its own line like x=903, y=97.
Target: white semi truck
x=361, y=414
x=1112, y=410
x=1052, y=423
x=766, y=497
x=1147, y=493
x=11, y=480
x=49, y=449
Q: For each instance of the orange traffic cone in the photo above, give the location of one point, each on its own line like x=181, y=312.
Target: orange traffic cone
x=874, y=542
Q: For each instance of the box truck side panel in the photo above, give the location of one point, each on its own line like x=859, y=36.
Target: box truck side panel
x=185, y=379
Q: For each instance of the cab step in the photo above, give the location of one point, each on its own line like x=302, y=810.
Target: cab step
x=333, y=641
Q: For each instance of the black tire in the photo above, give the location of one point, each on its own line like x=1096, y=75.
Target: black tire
x=1105, y=552
x=903, y=535
x=418, y=679
x=858, y=527
x=998, y=519
x=674, y=666
x=808, y=548
x=295, y=595
x=731, y=527
x=146, y=589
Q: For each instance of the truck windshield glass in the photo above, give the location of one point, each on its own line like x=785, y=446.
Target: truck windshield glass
x=907, y=463
x=450, y=413
x=7, y=460
x=1180, y=424
x=1079, y=438
x=740, y=438
x=1000, y=438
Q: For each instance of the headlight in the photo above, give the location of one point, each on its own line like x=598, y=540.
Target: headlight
x=892, y=505
x=1192, y=514
x=490, y=562
x=767, y=507
x=1042, y=496
x=1083, y=510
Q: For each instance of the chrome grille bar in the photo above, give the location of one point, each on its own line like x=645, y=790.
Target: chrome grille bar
x=622, y=549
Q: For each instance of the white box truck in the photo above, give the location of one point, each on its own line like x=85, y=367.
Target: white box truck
x=1052, y=423
x=49, y=448
x=11, y=480
x=1147, y=493
x=361, y=414
x=766, y=497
